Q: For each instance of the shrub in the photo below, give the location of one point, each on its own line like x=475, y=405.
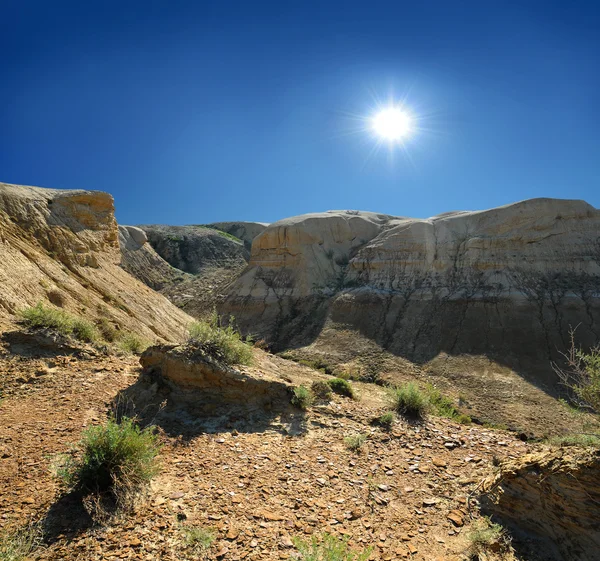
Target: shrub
x=19, y=544
x=132, y=343
x=85, y=331
x=484, y=534
x=115, y=457
x=355, y=441
x=463, y=419
x=582, y=375
x=198, y=538
x=302, y=397
x=410, y=401
x=585, y=440
x=321, y=390
x=386, y=420
x=107, y=330
x=329, y=549
x=341, y=387
x=226, y=342
x=41, y=316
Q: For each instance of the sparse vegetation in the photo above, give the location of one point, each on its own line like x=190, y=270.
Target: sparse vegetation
x=355, y=442
x=198, y=538
x=341, y=387
x=410, y=401
x=120, y=458
x=329, y=548
x=302, y=398
x=107, y=330
x=443, y=406
x=582, y=439
x=386, y=420
x=132, y=343
x=581, y=376
x=40, y=316
x=484, y=534
x=316, y=364
x=19, y=544
x=321, y=390
x=226, y=342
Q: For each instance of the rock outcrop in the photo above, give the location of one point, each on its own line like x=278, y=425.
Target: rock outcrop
x=245, y=231
x=506, y=282
x=195, y=248
x=63, y=246
x=553, y=497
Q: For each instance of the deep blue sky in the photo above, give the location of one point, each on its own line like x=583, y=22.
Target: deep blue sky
x=192, y=112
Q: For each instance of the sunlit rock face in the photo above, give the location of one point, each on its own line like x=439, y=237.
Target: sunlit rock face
x=507, y=281
x=62, y=247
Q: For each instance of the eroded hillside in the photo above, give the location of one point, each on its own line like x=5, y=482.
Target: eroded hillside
x=62, y=247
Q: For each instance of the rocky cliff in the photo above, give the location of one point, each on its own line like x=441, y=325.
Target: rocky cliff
x=506, y=282
x=63, y=247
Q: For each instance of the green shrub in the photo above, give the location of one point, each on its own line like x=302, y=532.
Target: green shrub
x=40, y=316
x=45, y=317
x=225, y=342
x=198, y=538
x=484, y=534
x=386, y=420
x=107, y=330
x=441, y=405
x=341, y=387
x=355, y=441
x=585, y=440
x=329, y=548
x=132, y=343
x=113, y=457
x=85, y=331
x=410, y=401
x=302, y=398
x=463, y=419
x=19, y=544
x=321, y=390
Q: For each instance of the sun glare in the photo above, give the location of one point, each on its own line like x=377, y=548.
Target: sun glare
x=392, y=123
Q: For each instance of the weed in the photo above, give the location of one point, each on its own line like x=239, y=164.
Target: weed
x=484, y=534
x=132, y=343
x=441, y=405
x=584, y=440
x=463, y=419
x=386, y=420
x=119, y=458
x=198, y=538
x=355, y=441
x=107, y=330
x=408, y=400
x=341, y=387
x=302, y=398
x=40, y=316
x=321, y=390
x=226, y=341
x=19, y=544
x=330, y=548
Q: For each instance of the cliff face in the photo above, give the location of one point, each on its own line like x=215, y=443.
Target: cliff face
x=504, y=282
x=63, y=246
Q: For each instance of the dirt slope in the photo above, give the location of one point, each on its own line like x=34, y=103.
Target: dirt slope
x=63, y=247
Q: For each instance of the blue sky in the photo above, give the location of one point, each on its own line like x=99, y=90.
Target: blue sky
x=193, y=112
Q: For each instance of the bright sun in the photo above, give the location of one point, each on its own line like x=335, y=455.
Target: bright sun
x=392, y=123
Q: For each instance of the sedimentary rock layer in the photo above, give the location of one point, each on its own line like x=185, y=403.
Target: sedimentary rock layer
x=507, y=282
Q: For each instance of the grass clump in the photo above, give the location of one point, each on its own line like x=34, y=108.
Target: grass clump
x=120, y=458
x=355, y=441
x=485, y=534
x=302, y=398
x=132, y=343
x=583, y=440
x=19, y=544
x=225, y=342
x=386, y=420
x=329, y=548
x=410, y=401
x=40, y=316
x=321, y=390
x=198, y=538
x=341, y=387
